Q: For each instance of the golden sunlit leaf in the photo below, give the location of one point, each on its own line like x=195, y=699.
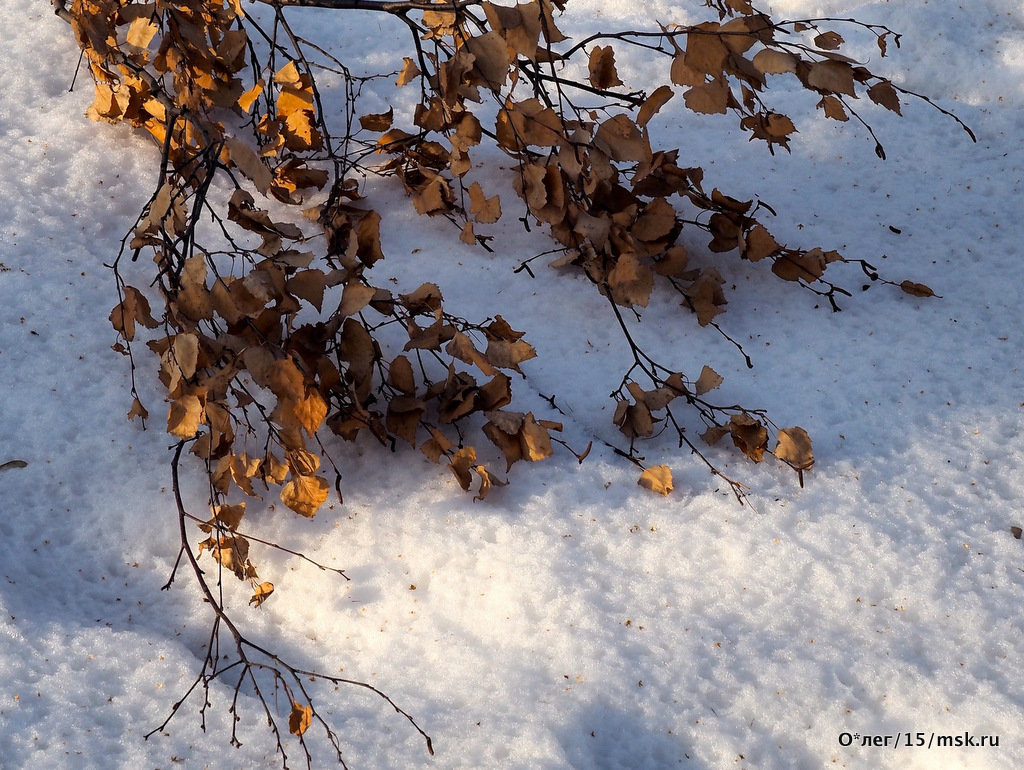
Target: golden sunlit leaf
x=794, y=448
x=534, y=439
x=184, y=416
x=262, y=593
x=462, y=461
x=409, y=72
x=248, y=99
x=300, y=718
x=140, y=32
x=378, y=121
x=305, y=494
x=657, y=478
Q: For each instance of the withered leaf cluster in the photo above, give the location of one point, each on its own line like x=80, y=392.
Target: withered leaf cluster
x=274, y=336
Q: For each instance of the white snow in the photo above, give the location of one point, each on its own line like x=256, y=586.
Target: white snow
x=572, y=620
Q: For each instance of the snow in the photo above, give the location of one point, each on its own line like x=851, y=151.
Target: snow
x=571, y=620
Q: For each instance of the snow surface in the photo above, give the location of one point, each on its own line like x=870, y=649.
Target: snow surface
x=572, y=620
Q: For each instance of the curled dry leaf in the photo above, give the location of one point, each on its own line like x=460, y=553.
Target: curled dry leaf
x=916, y=289
x=137, y=410
x=300, y=718
x=749, y=435
x=305, y=494
x=462, y=461
x=261, y=594
x=231, y=551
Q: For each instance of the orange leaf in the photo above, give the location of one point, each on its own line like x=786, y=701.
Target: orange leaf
x=657, y=478
x=300, y=719
x=305, y=494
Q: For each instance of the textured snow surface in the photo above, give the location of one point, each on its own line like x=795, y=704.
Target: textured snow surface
x=572, y=620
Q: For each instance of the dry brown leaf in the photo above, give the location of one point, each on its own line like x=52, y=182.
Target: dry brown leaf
x=305, y=494
x=309, y=285
x=354, y=298
x=806, y=266
x=759, y=243
x=653, y=104
x=657, y=478
x=186, y=353
x=831, y=77
x=380, y=121
x=534, y=440
x=249, y=163
x=409, y=72
x=749, y=436
x=709, y=380
x=630, y=282
x=193, y=297
x=506, y=354
x=916, y=289
x=885, y=94
x=705, y=52
x=492, y=60
x=770, y=61
x=710, y=98
x=403, y=417
x=602, y=68
x=229, y=516
x=829, y=41
x=134, y=308
x=673, y=262
x=184, y=415
x=794, y=448
x=621, y=140
x=273, y=470
x=137, y=410
x=300, y=718
x=462, y=348
x=401, y=376
x=487, y=480
x=833, y=108
x=262, y=593
x=232, y=552
x=507, y=441
x=656, y=222
x=682, y=74
x=461, y=463
x=485, y=210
